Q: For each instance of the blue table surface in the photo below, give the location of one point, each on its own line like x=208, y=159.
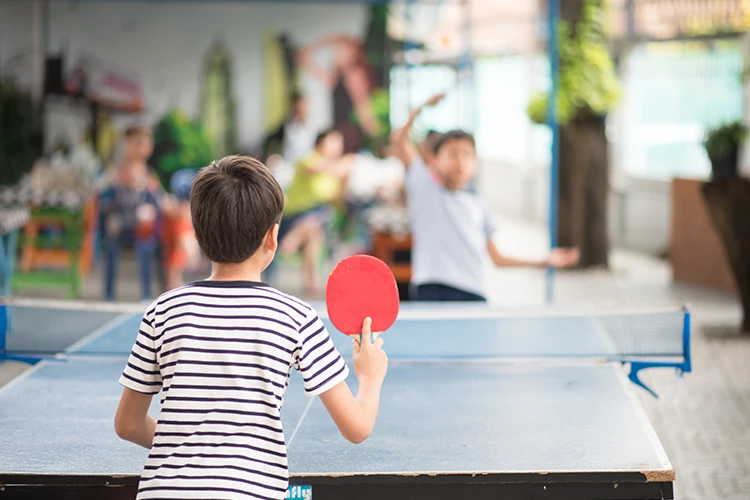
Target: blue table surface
x=444, y=409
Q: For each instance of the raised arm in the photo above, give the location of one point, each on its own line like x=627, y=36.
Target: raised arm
x=402, y=146
x=355, y=415
x=306, y=60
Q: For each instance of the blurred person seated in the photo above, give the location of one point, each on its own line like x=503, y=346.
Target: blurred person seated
x=317, y=185
x=294, y=138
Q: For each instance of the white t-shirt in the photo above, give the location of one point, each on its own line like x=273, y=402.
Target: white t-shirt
x=450, y=230
x=298, y=141
x=221, y=353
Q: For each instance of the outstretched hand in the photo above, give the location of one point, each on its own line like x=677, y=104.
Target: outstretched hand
x=432, y=101
x=563, y=257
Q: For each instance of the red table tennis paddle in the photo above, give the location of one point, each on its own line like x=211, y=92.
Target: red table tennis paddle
x=361, y=286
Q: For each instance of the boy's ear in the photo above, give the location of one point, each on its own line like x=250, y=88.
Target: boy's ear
x=272, y=238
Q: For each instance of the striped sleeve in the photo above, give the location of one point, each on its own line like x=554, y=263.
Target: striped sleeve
x=319, y=362
x=142, y=372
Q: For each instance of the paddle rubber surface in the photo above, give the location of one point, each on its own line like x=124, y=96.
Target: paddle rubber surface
x=361, y=286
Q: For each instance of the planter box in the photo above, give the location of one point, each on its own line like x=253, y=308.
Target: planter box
x=696, y=252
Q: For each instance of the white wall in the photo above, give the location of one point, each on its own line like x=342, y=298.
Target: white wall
x=639, y=211
x=163, y=45
x=17, y=40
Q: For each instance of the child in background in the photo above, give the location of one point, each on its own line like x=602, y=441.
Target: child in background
x=451, y=228
x=180, y=246
x=129, y=209
x=318, y=183
x=221, y=352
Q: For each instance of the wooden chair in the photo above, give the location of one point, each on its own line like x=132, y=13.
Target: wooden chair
x=395, y=251
x=58, y=261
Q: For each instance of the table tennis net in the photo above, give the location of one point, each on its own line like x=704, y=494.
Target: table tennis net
x=109, y=329
x=654, y=334
x=489, y=334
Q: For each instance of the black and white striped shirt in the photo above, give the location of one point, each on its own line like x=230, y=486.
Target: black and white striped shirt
x=221, y=352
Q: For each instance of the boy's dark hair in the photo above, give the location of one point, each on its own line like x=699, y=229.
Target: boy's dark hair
x=322, y=136
x=134, y=130
x=233, y=203
x=453, y=135
x=296, y=96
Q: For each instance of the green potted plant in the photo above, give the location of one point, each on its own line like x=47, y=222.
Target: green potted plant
x=20, y=133
x=587, y=80
x=723, y=145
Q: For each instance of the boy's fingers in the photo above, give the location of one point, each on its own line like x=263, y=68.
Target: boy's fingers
x=366, y=338
x=378, y=343
x=366, y=325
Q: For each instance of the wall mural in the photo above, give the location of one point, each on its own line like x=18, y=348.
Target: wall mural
x=357, y=76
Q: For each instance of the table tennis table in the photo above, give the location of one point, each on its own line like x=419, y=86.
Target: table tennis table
x=465, y=411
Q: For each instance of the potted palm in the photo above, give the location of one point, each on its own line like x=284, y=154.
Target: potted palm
x=723, y=145
x=728, y=201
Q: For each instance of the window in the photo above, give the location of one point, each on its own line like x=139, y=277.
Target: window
x=674, y=93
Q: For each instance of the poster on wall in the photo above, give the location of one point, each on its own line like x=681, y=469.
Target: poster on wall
x=355, y=72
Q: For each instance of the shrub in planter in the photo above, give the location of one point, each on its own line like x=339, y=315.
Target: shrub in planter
x=722, y=145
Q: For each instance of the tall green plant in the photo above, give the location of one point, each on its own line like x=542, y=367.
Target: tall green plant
x=179, y=143
x=20, y=132
x=587, y=74
x=724, y=141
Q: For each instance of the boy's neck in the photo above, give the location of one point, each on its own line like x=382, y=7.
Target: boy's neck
x=452, y=187
x=243, y=271
x=135, y=161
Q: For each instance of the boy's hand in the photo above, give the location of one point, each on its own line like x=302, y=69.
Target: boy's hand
x=370, y=360
x=432, y=101
x=563, y=257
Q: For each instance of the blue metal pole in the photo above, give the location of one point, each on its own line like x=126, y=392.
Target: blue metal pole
x=554, y=171
x=409, y=46
x=466, y=73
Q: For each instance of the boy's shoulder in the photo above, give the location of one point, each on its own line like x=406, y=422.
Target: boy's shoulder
x=298, y=304
x=308, y=313
x=257, y=295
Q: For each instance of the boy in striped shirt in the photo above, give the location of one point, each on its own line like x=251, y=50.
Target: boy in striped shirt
x=221, y=352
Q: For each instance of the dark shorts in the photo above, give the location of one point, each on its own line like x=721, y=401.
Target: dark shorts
x=321, y=212
x=435, y=292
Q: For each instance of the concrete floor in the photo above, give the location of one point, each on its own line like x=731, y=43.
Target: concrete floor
x=703, y=420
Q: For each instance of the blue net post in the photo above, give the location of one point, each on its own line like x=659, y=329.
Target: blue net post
x=3, y=329
x=687, y=366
